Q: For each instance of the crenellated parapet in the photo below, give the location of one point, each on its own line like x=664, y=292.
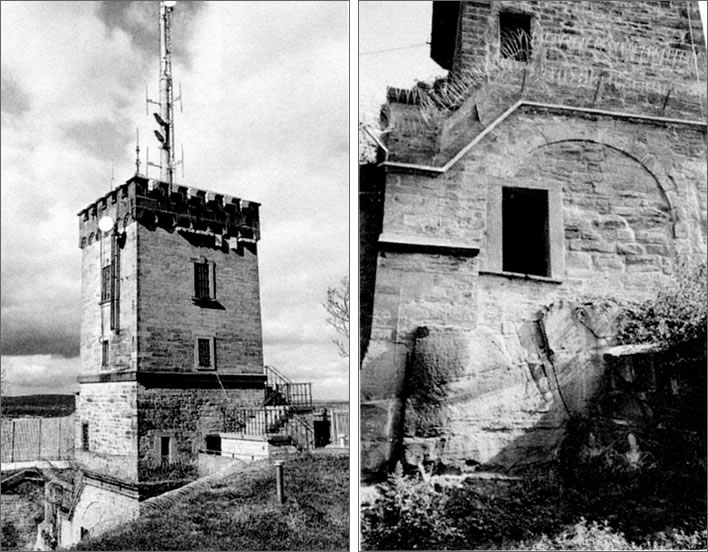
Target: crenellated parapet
x=172, y=207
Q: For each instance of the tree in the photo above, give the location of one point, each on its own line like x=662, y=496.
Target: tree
x=337, y=306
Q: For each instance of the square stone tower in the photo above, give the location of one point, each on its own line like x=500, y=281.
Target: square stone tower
x=171, y=337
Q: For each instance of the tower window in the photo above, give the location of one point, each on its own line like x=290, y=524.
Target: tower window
x=204, y=353
x=106, y=284
x=204, y=284
x=104, y=353
x=165, y=449
x=84, y=435
x=515, y=36
x=525, y=236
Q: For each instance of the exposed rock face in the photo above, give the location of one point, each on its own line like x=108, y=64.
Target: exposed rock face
x=479, y=398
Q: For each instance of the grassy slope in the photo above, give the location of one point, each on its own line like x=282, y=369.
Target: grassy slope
x=240, y=512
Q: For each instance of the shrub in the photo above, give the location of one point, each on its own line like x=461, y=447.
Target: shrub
x=409, y=515
x=584, y=536
x=676, y=316
x=10, y=536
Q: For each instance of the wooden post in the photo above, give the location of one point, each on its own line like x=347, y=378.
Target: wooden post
x=12, y=448
x=279, y=481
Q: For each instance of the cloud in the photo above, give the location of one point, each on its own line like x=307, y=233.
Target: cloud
x=37, y=374
x=265, y=118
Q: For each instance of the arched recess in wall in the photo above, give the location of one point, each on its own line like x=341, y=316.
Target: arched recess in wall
x=99, y=515
x=616, y=209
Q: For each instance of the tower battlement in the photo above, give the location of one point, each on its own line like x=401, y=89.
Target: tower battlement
x=172, y=207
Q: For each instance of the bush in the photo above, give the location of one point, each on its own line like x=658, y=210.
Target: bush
x=10, y=536
x=409, y=515
x=676, y=316
x=584, y=536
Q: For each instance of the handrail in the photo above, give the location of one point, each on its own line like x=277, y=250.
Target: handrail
x=265, y=421
x=273, y=374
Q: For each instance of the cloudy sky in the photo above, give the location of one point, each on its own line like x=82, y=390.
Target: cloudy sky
x=265, y=88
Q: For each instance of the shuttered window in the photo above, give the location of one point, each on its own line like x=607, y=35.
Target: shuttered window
x=204, y=353
x=202, y=283
x=106, y=283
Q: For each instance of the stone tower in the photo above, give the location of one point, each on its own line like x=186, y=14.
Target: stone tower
x=564, y=155
x=171, y=340
x=171, y=324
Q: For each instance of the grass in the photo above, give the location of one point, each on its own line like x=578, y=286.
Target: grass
x=240, y=512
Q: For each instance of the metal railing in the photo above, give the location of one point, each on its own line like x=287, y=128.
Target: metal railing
x=340, y=426
x=280, y=390
x=270, y=421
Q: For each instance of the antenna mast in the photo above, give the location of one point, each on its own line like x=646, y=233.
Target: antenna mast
x=166, y=116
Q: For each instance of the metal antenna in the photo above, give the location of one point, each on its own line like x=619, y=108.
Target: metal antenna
x=166, y=116
x=137, y=151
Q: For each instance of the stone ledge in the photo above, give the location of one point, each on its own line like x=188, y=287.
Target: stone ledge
x=424, y=244
x=181, y=380
x=519, y=276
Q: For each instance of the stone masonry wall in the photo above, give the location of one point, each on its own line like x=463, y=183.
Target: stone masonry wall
x=168, y=318
x=663, y=25
x=635, y=57
x=628, y=42
x=188, y=416
x=110, y=410
x=97, y=510
x=631, y=197
x=95, y=316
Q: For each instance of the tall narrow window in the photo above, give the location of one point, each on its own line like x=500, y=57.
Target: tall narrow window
x=525, y=243
x=84, y=435
x=204, y=284
x=104, y=354
x=106, y=284
x=515, y=36
x=165, y=449
x=204, y=353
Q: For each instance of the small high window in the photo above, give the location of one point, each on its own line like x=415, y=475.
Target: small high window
x=525, y=235
x=515, y=36
x=204, y=281
x=104, y=353
x=204, y=353
x=165, y=447
x=84, y=435
x=106, y=284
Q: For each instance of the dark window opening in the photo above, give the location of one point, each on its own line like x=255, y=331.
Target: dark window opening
x=515, y=36
x=204, y=353
x=106, y=283
x=525, y=243
x=84, y=436
x=165, y=449
x=84, y=533
x=213, y=444
x=202, y=287
x=104, y=354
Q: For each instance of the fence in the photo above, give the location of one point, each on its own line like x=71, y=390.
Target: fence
x=27, y=439
x=340, y=425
